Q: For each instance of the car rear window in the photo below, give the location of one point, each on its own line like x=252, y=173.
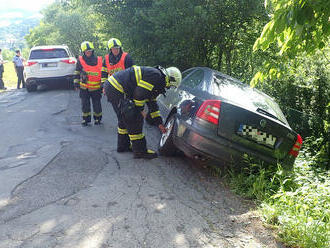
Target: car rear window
x=243, y=95
x=48, y=53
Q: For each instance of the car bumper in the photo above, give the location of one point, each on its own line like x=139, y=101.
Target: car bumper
x=49, y=80
x=221, y=151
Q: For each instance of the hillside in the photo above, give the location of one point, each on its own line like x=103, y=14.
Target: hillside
x=14, y=26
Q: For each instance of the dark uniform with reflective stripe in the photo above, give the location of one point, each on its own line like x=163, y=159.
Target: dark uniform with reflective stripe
x=86, y=94
x=142, y=85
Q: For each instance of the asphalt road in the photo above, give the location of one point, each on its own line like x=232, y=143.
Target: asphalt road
x=65, y=186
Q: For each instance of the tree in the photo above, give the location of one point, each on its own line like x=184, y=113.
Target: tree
x=65, y=23
x=296, y=26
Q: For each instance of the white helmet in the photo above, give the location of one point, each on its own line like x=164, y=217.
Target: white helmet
x=174, y=77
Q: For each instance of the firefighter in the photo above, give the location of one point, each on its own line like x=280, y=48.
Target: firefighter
x=88, y=79
x=115, y=60
x=128, y=91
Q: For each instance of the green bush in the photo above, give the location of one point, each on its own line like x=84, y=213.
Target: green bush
x=296, y=202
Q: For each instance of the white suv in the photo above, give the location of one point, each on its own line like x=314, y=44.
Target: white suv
x=49, y=65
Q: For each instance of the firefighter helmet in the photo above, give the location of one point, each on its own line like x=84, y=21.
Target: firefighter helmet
x=86, y=45
x=113, y=42
x=174, y=77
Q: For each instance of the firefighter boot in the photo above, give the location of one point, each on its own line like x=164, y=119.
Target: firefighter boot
x=148, y=154
x=97, y=122
x=123, y=143
x=84, y=123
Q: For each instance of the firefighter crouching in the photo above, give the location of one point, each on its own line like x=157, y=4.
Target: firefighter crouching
x=128, y=91
x=115, y=60
x=88, y=79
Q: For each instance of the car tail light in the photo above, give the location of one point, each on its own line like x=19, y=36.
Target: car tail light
x=209, y=111
x=68, y=61
x=29, y=63
x=296, y=147
x=48, y=49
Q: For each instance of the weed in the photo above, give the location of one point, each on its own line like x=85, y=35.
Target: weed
x=296, y=202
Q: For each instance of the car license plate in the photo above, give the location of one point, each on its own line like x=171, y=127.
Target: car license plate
x=46, y=65
x=256, y=135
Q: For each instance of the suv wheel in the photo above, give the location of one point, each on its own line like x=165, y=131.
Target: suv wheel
x=31, y=88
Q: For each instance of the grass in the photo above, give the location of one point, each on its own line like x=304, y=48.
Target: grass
x=296, y=203
x=9, y=76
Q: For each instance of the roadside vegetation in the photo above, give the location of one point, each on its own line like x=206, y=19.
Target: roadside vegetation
x=9, y=76
x=281, y=47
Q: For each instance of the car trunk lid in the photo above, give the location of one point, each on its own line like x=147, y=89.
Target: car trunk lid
x=257, y=131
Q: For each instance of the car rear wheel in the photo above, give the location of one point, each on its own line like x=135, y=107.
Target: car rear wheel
x=166, y=144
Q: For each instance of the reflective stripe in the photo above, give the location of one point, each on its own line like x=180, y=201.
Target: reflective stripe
x=155, y=114
x=86, y=114
x=138, y=74
x=136, y=136
x=104, y=69
x=145, y=85
x=89, y=86
x=97, y=114
x=103, y=80
x=93, y=83
x=122, y=131
x=76, y=80
x=115, y=84
x=139, y=103
x=139, y=81
x=150, y=151
x=76, y=72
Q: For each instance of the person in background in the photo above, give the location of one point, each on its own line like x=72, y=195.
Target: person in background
x=115, y=60
x=18, y=61
x=128, y=91
x=2, y=85
x=88, y=79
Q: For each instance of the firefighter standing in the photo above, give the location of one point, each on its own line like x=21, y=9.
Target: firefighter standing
x=141, y=85
x=115, y=60
x=88, y=79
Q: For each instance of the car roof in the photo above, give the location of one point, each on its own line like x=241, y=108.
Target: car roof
x=49, y=46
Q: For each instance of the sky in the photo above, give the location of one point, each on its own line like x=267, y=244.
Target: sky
x=10, y=9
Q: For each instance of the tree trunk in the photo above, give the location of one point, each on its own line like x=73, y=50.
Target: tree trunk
x=228, y=62
x=220, y=54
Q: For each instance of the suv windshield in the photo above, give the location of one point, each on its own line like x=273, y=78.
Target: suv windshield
x=48, y=53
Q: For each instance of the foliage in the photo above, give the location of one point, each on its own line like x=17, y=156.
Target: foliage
x=186, y=33
x=296, y=26
x=257, y=180
x=66, y=24
x=9, y=76
x=303, y=92
x=296, y=202
x=302, y=215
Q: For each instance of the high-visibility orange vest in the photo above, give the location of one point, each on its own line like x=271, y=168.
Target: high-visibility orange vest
x=93, y=74
x=116, y=67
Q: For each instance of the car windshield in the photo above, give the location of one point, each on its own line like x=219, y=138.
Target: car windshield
x=240, y=94
x=48, y=53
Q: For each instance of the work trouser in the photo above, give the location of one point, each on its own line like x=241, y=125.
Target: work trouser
x=85, y=96
x=2, y=85
x=129, y=130
x=20, y=77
